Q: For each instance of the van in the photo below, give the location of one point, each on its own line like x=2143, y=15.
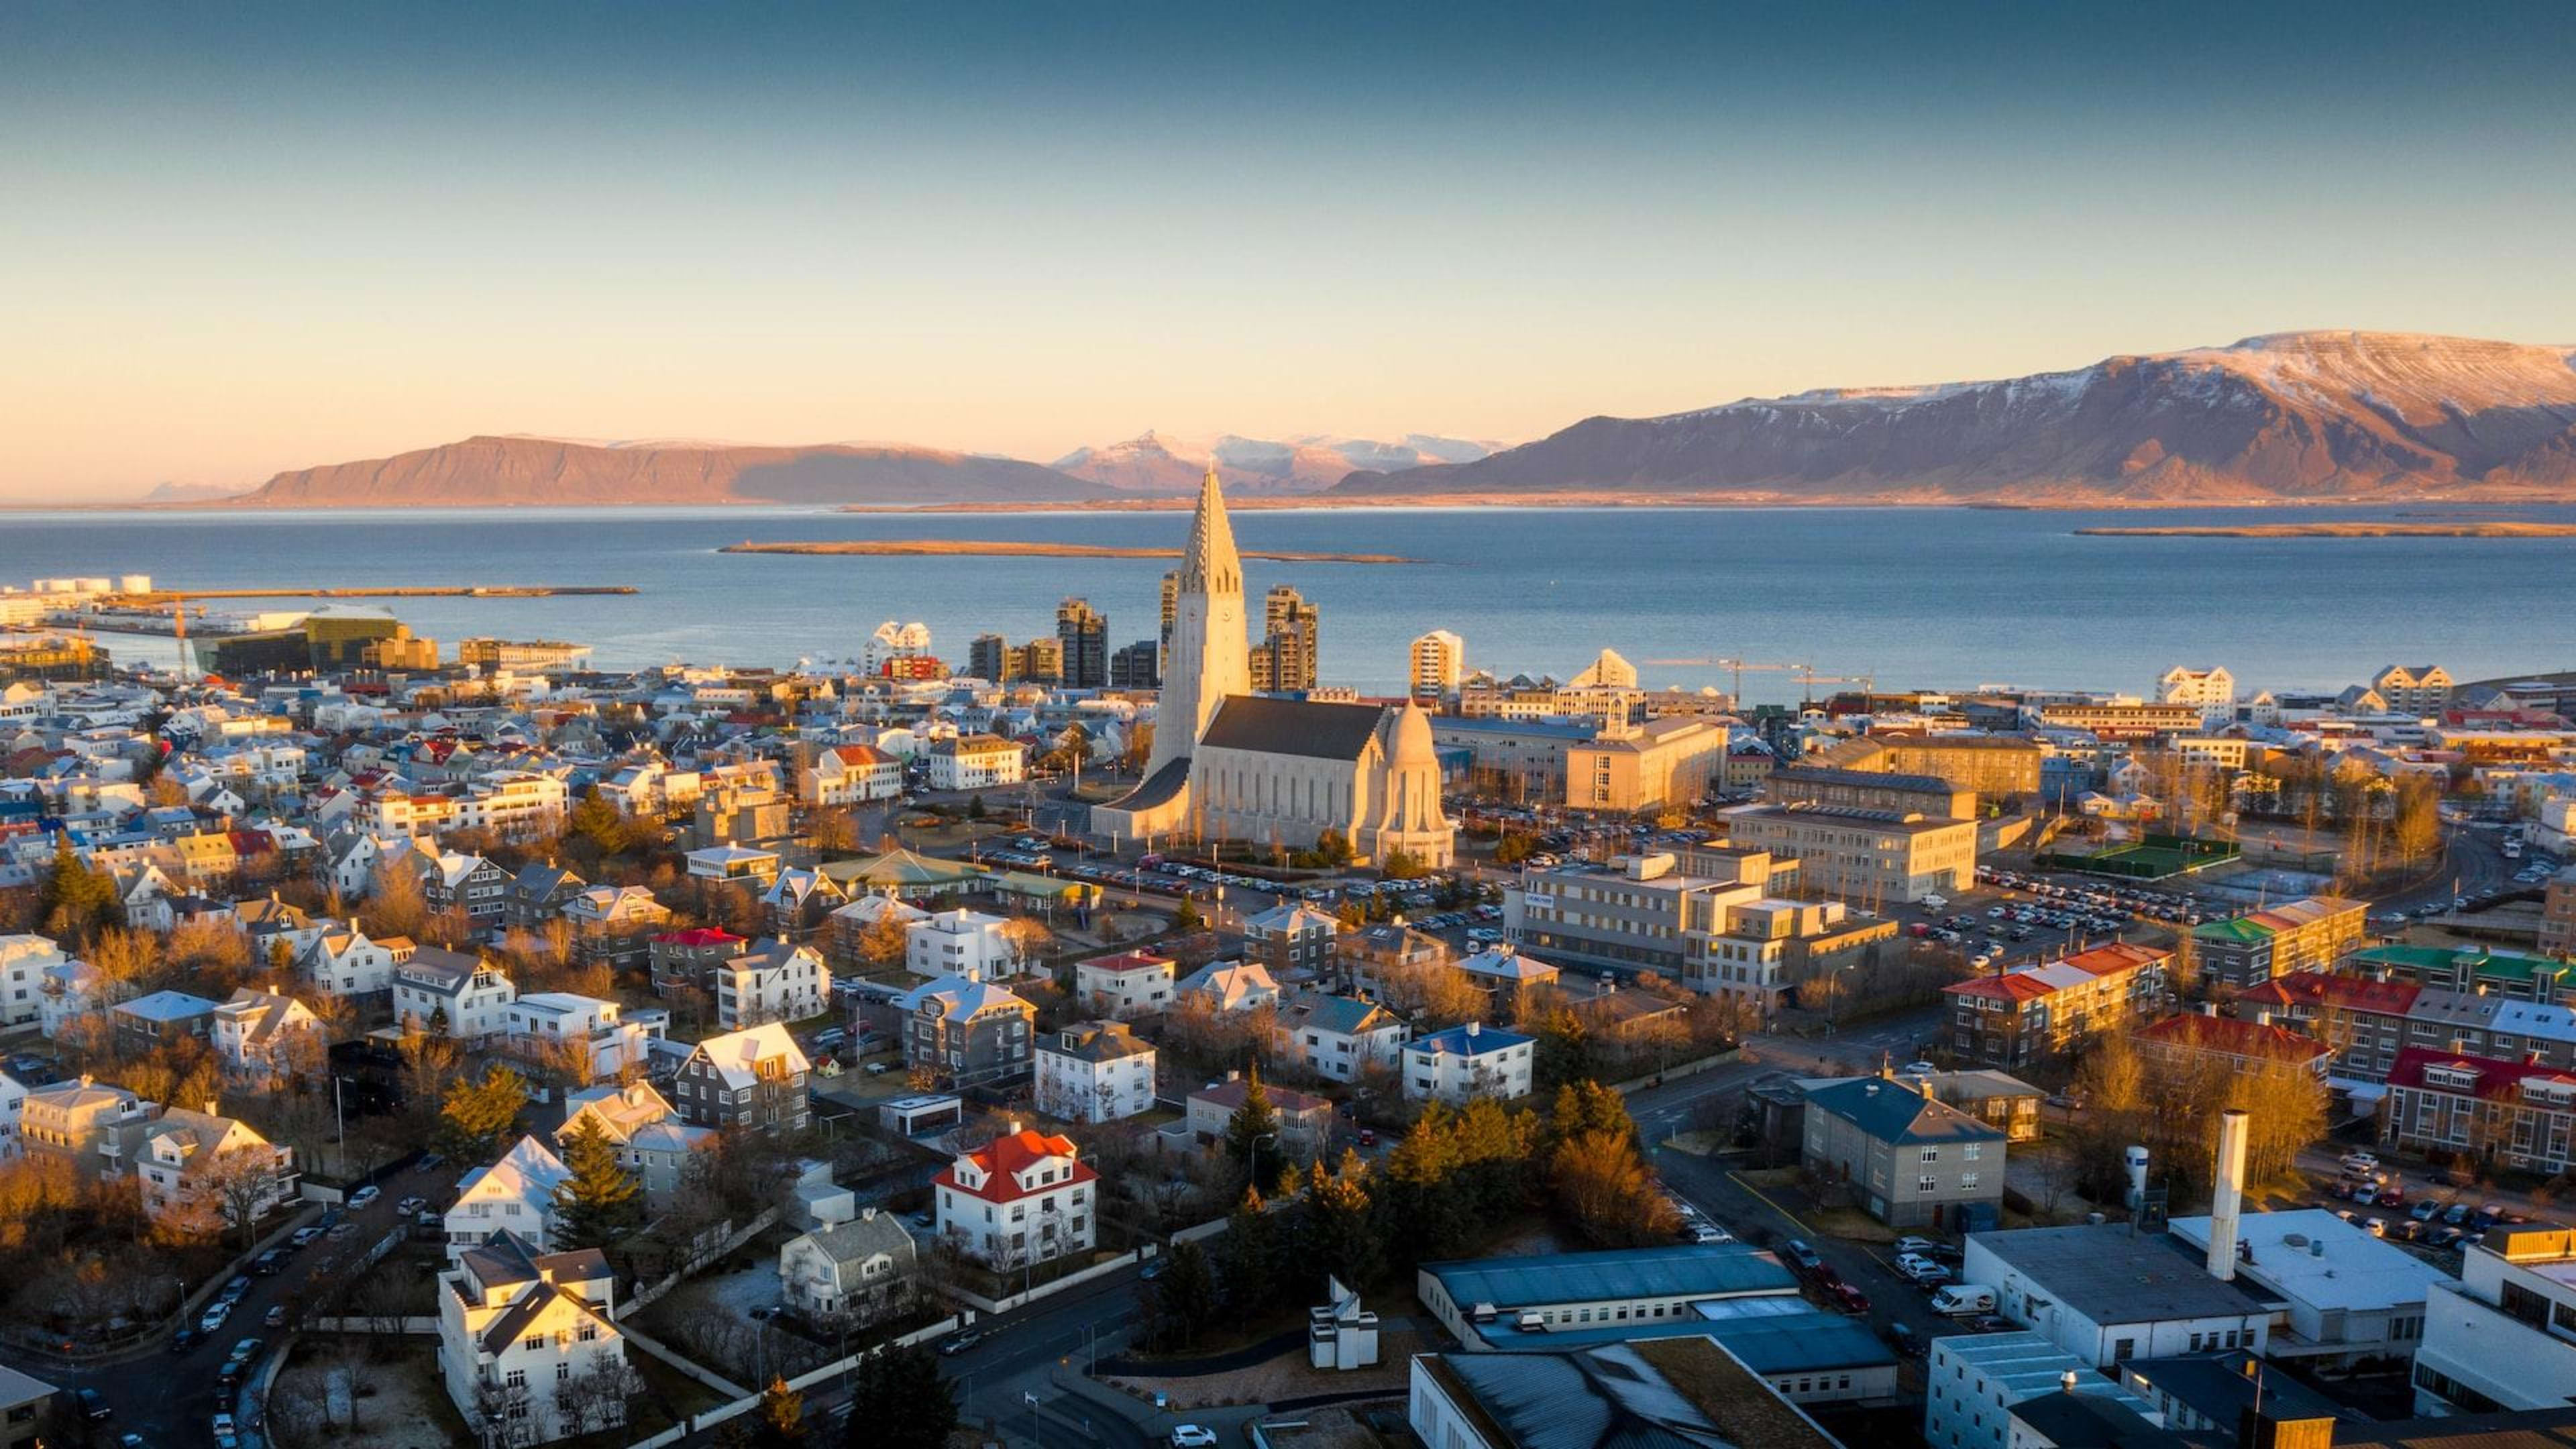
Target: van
x=1935, y=903
x=1959, y=1300
x=1531, y=1321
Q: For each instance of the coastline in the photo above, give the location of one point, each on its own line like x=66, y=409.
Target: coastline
x=2498, y=528
x=985, y=548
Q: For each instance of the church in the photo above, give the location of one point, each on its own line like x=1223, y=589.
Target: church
x=1228, y=765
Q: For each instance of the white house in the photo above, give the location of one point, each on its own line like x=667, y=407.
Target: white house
x=1127, y=984
x=515, y=1195
x=855, y=1272
x=68, y=991
x=585, y=1035
x=528, y=1343
x=13, y=1110
x=1230, y=986
x=1339, y=1036
x=23, y=959
x=346, y=961
x=1025, y=1198
x=1467, y=1061
x=208, y=1173
x=850, y=775
x=262, y=1035
x=959, y=943
x=1094, y=1071
x=777, y=981
x=453, y=994
x=973, y=762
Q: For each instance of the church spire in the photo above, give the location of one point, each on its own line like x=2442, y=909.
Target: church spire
x=1210, y=565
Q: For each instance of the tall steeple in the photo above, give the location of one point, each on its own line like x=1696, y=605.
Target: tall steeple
x=1209, y=658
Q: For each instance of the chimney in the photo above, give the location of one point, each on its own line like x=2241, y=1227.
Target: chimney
x=2229, y=1199
x=1472, y=1028
x=2066, y=1381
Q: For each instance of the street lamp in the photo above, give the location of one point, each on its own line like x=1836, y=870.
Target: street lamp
x=1254, y=1168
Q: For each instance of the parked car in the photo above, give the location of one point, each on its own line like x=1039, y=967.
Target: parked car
x=92, y=1406
x=184, y=1340
x=216, y=1313
x=957, y=1343
x=1849, y=1299
x=275, y=1317
x=1919, y=1247
x=1193, y=1436
x=411, y=1205
x=1800, y=1256
x=302, y=1236
x=364, y=1197
x=2426, y=1210
x=2457, y=1214
x=1921, y=1270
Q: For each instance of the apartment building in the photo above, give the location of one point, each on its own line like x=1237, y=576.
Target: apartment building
x=2558, y=915
x=753, y=1079
x=528, y=1345
x=1627, y=767
x=585, y=1038
x=510, y=806
x=1094, y=1071
x=850, y=775
x=466, y=884
x=1992, y=767
x=2416, y=689
x=2516, y=974
x=94, y=1126
x=1871, y=857
x=1291, y=937
x=2303, y=935
x=2032, y=1014
x=1130, y=983
x=2212, y=688
x=775, y=981
x=1909, y=1159
x=23, y=961
x=1466, y=1062
x=2500, y=1114
x=2124, y=721
x=961, y=1032
x=1435, y=664
x=1929, y=796
x=975, y=762
x=615, y=924
x=2502, y=1338
x=1022, y=1199
x=960, y=943
x=2193, y=1040
x=202, y=1173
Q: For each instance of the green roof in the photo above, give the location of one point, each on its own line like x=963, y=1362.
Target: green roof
x=2243, y=929
x=2474, y=960
x=901, y=869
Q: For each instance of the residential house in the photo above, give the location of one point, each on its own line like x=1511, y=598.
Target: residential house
x=752, y=1079
x=848, y=1274
x=1339, y=1037
x=1094, y=1071
x=976, y=762
x=513, y=1195
x=1373, y=955
x=13, y=1111
x=266, y=1036
x=1463, y=1062
x=1230, y=986
x=962, y=1032
x=850, y=775
x=206, y=1174
x=688, y=960
x=652, y=1140
x=2001, y=1101
x=740, y=865
x=1130, y=983
x=23, y=961
x=528, y=1343
x=775, y=981
x=1507, y=977
x=95, y=1127
x=1291, y=937
x=845, y=930
x=466, y=884
x=347, y=963
x=26, y=1408
x=2033, y=1014
x=1305, y=1120
x=452, y=994
x=1022, y=1199
x=960, y=943
x=538, y=894
x=615, y=924
x=161, y=1018
x=585, y=1039
x=1910, y=1160
x=69, y=992
x=798, y=900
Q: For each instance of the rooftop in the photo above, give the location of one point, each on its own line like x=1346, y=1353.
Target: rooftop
x=1897, y=1112
x=2111, y=1273
x=1683, y=1271
x=2312, y=1255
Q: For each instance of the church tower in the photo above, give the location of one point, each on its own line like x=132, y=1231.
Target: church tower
x=1208, y=659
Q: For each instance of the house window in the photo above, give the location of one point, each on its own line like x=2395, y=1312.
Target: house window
x=563, y=1371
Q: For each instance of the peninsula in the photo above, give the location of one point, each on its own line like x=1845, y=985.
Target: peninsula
x=2486, y=529
x=991, y=548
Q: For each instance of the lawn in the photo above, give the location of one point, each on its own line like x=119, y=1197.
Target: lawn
x=397, y=1400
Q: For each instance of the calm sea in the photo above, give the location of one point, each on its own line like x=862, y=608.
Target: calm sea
x=1929, y=597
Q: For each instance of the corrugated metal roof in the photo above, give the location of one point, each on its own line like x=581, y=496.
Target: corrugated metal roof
x=1683, y=1271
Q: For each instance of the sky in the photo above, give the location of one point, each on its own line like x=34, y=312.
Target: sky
x=235, y=240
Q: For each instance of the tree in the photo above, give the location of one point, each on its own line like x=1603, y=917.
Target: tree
x=1604, y=1186
x=779, y=1421
x=899, y=1401
x=476, y=1113
x=394, y=905
x=1028, y=937
x=1339, y=1229
x=1186, y=917
x=1251, y=1254
x=974, y=807
x=1403, y=865
x=2418, y=827
x=76, y=902
x=885, y=939
x=1182, y=1302
x=599, y=1204
x=1249, y=1123
x=594, y=1398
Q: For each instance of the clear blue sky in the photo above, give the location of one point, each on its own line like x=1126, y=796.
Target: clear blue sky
x=236, y=242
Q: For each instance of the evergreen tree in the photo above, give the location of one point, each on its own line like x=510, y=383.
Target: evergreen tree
x=1339, y=1235
x=476, y=1113
x=1182, y=1301
x=1251, y=1122
x=77, y=902
x=899, y=1401
x=1186, y=917
x=974, y=807
x=600, y=1203
x=1251, y=1254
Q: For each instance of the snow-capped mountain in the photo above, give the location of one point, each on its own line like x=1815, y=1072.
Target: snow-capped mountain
x=1162, y=463
x=2294, y=415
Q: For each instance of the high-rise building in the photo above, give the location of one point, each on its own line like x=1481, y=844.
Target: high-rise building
x=1082, y=632
x=987, y=657
x=1171, y=606
x=1286, y=659
x=1137, y=666
x=1439, y=663
x=1039, y=660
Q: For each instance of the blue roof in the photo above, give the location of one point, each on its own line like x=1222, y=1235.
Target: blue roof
x=1797, y=1343
x=1458, y=1041
x=1562, y=729
x=1689, y=1270
x=168, y=1006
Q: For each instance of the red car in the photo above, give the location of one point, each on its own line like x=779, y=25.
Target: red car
x=2393, y=1197
x=1848, y=1299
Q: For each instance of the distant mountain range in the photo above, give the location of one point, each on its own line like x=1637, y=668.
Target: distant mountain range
x=2298, y=416
x=518, y=470
x=1160, y=463
x=193, y=492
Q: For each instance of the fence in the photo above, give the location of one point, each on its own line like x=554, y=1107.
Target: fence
x=645, y=1296
x=389, y=1323
x=745, y=1404
x=1680, y=1069
x=1096, y=1270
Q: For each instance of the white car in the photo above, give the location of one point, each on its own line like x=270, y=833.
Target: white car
x=1915, y=1247
x=1921, y=1270
x=364, y=1197
x=1193, y=1436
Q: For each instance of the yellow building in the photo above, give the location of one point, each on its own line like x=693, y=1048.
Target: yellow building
x=1868, y=856
x=1640, y=767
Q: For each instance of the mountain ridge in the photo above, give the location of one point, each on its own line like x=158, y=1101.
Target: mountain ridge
x=2293, y=416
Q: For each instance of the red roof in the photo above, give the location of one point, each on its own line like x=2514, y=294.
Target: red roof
x=2117, y=957
x=700, y=936
x=1130, y=961
x=2015, y=985
x=2496, y=1079
x=860, y=755
x=2234, y=1037
x=2315, y=989
x=1006, y=1157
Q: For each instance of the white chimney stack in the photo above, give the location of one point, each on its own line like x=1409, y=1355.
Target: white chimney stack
x=2229, y=1200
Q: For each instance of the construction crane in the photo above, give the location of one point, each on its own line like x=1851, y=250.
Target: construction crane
x=1808, y=680
x=1739, y=666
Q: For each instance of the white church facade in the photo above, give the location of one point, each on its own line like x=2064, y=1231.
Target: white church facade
x=1230, y=765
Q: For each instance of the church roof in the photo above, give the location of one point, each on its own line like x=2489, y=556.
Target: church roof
x=1267, y=726
x=1210, y=564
